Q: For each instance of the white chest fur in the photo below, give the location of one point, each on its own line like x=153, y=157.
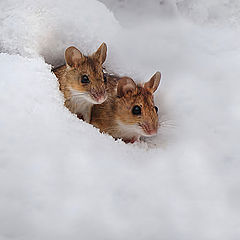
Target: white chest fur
x=127, y=131
x=80, y=104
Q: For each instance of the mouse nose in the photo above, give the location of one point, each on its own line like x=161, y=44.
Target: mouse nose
x=99, y=95
x=149, y=128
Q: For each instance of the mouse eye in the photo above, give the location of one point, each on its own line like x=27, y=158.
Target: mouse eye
x=156, y=109
x=136, y=110
x=105, y=78
x=85, y=79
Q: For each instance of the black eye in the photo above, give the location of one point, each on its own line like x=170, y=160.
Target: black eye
x=85, y=79
x=105, y=78
x=156, y=109
x=136, y=110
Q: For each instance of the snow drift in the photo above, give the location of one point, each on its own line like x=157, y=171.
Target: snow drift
x=62, y=179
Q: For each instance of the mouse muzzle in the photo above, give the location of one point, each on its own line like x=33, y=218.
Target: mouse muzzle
x=149, y=129
x=98, y=95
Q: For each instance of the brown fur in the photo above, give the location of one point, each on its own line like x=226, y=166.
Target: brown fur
x=123, y=96
x=79, y=97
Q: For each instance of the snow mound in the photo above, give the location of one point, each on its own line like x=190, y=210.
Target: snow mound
x=46, y=28
x=214, y=12
x=62, y=179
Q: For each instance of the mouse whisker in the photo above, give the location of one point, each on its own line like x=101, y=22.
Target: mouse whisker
x=78, y=94
x=166, y=123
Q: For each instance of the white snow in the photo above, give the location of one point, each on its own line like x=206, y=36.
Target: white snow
x=61, y=179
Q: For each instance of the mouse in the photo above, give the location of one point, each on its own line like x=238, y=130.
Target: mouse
x=129, y=113
x=82, y=80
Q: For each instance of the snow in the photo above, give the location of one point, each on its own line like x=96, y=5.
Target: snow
x=61, y=179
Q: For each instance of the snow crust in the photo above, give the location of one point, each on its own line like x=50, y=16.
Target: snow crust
x=61, y=179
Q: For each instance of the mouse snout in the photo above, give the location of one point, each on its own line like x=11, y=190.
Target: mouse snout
x=98, y=95
x=149, y=128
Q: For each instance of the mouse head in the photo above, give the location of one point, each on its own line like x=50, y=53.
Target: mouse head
x=85, y=74
x=135, y=109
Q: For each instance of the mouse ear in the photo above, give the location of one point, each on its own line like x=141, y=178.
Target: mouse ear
x=101, y=53
x=153, y=83
x=73, y=56
x=125, y=86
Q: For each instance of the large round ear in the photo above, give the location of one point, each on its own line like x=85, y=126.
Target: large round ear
x=101, y=53
x=126, y=86
x=153, y=83
x=73, y=57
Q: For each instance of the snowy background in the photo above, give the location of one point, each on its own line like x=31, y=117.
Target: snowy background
x=61, y=179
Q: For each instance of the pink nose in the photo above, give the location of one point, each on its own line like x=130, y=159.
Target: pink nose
x=149, y=129
x=100, y=99
x=99, y=96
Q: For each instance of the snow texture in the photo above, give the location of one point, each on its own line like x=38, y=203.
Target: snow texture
x=61, y=179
